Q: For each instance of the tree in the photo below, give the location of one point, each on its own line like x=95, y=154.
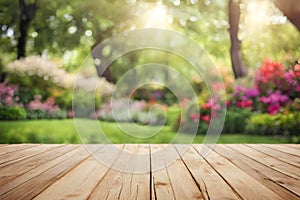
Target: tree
x=44, y=24
x=106, y=24
x=28, y=11
x=290, y=8
x=238, y=66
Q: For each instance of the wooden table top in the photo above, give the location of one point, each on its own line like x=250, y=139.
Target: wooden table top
x=234, y=171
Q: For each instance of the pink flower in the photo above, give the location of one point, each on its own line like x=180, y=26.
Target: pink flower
x=194, y=117
x=252, y=92
x=70, y=114
x=265, y=100
x=7, y=93
x=48, y=106
x=206, y=106
x=184, y=102
x=273, y=109
x=182, y=121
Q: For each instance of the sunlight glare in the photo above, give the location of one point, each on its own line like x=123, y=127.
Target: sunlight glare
x=257, y=13
x=157, y=17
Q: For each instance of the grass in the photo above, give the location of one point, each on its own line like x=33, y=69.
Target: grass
x=64, y=131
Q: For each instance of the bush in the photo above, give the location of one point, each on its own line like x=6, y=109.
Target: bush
x=135, y=111
x=236, y=120
x=12, y=113
x=280, y=124
x=196, y=115
x=274, y=88
x=42, y=114
x=35, y=114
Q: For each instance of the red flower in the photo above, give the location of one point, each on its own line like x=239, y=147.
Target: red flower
x=245, y=104
x=152, y=101
x=205, y=118
x=227, y=103
x=270, y=71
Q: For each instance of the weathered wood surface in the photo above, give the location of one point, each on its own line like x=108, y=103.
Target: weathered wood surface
x=234, y=171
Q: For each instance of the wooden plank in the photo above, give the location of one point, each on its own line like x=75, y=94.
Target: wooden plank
x=161, y=185
x=295, y=146
x=24, y=153
x=176, y=171
x=50, y=172
x=288, y=158
x=284, y=148
x=273, y=163
x=80, y=181
x=141, y=175
x=123, y=181
x=15, y=147
x=239, y=181
x=281, y=184
x=70, y=172
x=111, y=185
x=211, y=184
x=16, y=169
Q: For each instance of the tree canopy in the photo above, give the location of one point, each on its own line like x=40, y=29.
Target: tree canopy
x=69, y=29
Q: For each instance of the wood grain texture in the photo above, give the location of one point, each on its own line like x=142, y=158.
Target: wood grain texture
x=281, y=184
x=143, y=171
x=269, y=161
x=209, y=181
x=242, y=183
x=285, y=157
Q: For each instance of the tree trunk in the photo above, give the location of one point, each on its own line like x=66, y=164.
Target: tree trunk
x=238, y=66
x=26, y=16
x=291, y=9
x=96, y=54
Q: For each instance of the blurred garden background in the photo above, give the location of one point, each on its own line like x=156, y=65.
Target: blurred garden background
x=255, y=44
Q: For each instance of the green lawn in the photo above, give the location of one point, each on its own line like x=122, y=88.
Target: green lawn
x=64, y=131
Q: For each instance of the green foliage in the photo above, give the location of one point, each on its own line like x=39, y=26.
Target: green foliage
x=84, y=103
x=70, y=28
x=12, y=113
x=65, y=100
x=41, y=114
x=236, y=120
x=279, y=124
x=36, y=114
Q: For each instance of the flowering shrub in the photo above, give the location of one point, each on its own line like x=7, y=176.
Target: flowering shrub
x=7, y=94
x=42, y=68
x=9, y=108
x=193, y=119
x=48, y=109
x=269, y=72
x=38, y=76
x=47, y=106
x=273, y=90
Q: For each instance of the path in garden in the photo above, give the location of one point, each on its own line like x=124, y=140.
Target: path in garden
x=228, y=172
